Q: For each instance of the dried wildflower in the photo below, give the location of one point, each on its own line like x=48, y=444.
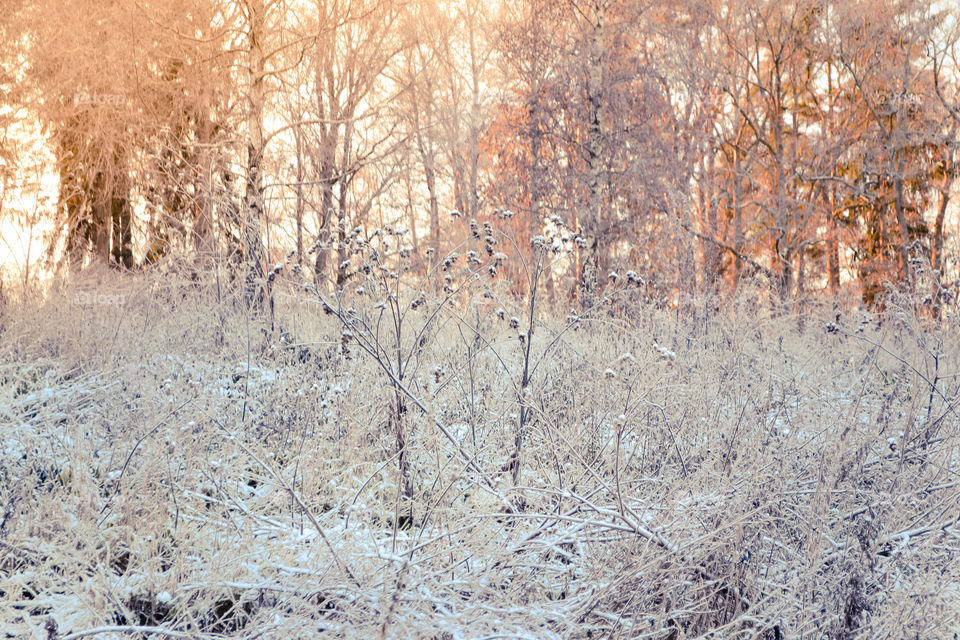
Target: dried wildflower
x=665, y=354
x=609, y=374
x=492, y=270
x=514, y=322
x=501, y=313
x=613, y=276
x=455, y=214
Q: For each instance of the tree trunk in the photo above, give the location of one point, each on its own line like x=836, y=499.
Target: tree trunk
x=936, y=250
x=591, y=258
x=419, y=265
x=100, y=201
x=833, y=248
x=899, y=208
x=708, y=218
x=427, y=160
x=203, y=217
x=326, y=168
x=343, y=250
x=474, y=142
x=70, y=196
x=253, y=197
x=120, y=214
x=300, y=202
x=904, y=248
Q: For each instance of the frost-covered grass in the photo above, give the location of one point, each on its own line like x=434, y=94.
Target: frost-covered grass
x=167, y=464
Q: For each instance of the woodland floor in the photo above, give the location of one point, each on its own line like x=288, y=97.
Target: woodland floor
x=168, y=463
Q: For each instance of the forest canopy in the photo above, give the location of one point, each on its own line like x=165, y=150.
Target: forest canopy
x=808, y=144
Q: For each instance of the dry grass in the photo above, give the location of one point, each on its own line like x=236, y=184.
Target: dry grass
x=167, y=464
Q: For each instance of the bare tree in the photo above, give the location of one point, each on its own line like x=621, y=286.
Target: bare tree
x=353, y=44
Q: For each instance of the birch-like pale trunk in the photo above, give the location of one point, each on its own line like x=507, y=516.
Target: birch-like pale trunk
x=253, y=197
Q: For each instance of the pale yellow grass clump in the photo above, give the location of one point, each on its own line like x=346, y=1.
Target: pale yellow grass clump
x=170, y=464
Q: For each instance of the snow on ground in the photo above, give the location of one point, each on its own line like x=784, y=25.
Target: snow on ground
x=252, y=493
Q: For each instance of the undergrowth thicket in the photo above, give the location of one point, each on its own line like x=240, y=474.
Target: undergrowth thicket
x=416, y=462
